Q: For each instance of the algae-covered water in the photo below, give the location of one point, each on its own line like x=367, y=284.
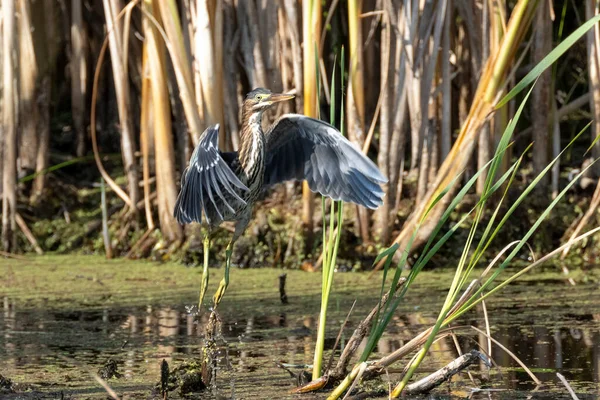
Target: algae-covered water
x=65, y=316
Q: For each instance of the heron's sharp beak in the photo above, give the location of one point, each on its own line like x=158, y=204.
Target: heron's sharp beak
x=277, y=97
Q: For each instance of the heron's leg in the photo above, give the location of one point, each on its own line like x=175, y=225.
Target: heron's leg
x=240, y=227
x=205, y=272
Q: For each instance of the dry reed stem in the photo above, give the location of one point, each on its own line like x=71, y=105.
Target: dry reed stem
x=117, y=45
x=511, y=354
x=34, y=243
x=97, y=158
x=489, y=88
x=173, y=38
x=567, y=385
x=163, y=142
x=311, y=25
x=28, y=72
x=145, y=126
x=9, y=127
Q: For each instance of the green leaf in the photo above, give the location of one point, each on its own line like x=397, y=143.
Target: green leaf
x=549, y=60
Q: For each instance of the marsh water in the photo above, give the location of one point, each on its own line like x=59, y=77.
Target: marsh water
x=63, y=317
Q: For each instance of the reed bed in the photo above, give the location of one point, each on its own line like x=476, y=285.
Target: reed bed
x=423, y=85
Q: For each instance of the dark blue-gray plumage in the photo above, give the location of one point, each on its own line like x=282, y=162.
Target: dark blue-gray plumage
x=223, y=186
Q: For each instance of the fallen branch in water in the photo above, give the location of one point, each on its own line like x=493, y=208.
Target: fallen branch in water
x=440, y=376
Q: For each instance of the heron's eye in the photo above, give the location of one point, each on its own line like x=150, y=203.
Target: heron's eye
x=259, y=97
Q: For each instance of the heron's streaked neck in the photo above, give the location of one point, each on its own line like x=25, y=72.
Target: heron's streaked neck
x=251, y=140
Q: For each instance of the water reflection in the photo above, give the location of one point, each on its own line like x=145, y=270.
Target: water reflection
x=138, y=338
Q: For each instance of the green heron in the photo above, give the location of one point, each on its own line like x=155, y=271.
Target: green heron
x=223, y=186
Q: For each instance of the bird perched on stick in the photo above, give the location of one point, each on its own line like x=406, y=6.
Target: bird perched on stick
x=223, y=186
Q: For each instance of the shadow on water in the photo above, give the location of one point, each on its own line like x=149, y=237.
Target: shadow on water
x=551, y=327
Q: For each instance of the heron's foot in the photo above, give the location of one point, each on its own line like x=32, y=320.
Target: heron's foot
x=205, y=272
x=202, y=291
x=225, y=281
x=219, y=293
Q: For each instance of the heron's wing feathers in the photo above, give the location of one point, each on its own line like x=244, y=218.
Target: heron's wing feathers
x=208, y=185
x=299, y=147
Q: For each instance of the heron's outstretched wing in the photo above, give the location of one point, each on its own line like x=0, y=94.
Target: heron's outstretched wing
x=208, y=185
x=299, y=147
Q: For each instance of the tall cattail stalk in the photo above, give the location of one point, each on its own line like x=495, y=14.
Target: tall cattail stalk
x=490, y=85
x=231, y=71
x=311, y=24
x=398, y=140
x=181, y=66
x=381, y=224
x=9, y=125
x=541, y=115
x=28, y=76
x=146, y=130
x=592, y=7
x=484, y=145
x=47, y=66
x=121, y=80
x=355, y=104
x=78, y=65
x=161, y=116
x=208, y=62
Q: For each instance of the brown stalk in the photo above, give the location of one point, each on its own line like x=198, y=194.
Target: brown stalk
x=32, y=240
x=311, y=22
x=484, y=146
x=381, y=224
x=9, y=127
x=294, y=37
x=163, y=144
x=47, y=65
x=231, y=39
x=145, y=134
x=541, y=95
x=593, y=58
x=208, y=62
x=78, y=65
x=398, y=139
x=490, y=86
x=355, y=100
x=173, y=37
x=121, y=80
x=97, y=158
x=28, y=76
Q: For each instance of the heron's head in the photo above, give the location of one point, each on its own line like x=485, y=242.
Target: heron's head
x=260, y=99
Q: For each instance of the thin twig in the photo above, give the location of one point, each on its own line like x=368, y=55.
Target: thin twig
x=569, y=388
x=510, y=353
x=94, y=375
x=360, y=332
x=28, y=234
x=460, y=353
x=339, y=336
x=361, y=371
